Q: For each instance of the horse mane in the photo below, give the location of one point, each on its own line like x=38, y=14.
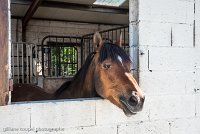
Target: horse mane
x=107, y=50
x=113, y=51
x=80, y=74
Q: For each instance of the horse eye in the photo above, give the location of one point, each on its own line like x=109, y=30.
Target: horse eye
x=106, y=66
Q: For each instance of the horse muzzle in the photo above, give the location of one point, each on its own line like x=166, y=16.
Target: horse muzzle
x=132, y=104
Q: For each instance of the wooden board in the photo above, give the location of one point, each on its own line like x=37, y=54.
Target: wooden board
x=4, y=66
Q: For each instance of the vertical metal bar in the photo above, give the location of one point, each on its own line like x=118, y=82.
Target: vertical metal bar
x=56, y=58
x=77, y=60
x=71, y=59
x=108, y=35
x=27, y=63
x=22, y=66
x=18, y=64
x=63, y=58
x=48, y=59
x=112, y=36
x=89, y=47
x=36, y=57
x=82, y=43
x=13, y=60
x=31, y=63
x=51, y=62
x=42, y=48
x=124, y=39
x=68, y=61
x=116, y=36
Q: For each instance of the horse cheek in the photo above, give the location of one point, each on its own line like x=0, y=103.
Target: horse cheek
x=98, y=85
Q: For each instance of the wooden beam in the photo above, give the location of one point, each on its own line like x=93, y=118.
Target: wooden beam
x=4, y=42
x=30, y=12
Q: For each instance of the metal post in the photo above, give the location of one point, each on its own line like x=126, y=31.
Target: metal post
x=133, y=36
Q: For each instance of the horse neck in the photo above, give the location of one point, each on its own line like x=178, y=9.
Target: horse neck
x=81, y=87
x=86, y=86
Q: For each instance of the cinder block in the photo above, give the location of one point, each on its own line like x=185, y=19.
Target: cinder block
x=171, y=106
x=106, y=129
x=197, y=80
x=108, y=113
x=81, y=25
x=63, y=114
x=197, y=23
x=71, y=24
x=182, y=35
x=13, y=22
x=31, y=36
x=14, y=116
x=197, y=58
x=185, y=126
x=39, y=23
x=105, y=27
x=143, y=58
x=40, y=36
x=13, y=36
x=166, y=82
x=58, y=24
x=197, y=34
x=146, y=127
x=176, y=11
x=173, y=59
x=198, y=104
x=33, y=28
x=154, y=34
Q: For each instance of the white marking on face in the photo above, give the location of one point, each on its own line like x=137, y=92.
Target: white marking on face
x=120, y=59
x=134, y=82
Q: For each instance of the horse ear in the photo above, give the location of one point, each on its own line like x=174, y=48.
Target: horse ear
x=97, y=40
x=119, y=41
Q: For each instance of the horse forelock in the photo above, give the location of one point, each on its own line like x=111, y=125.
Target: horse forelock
x=113, y=51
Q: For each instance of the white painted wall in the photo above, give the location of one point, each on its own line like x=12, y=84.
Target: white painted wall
x=169, y=75
x=169, y=68
x=38, y=29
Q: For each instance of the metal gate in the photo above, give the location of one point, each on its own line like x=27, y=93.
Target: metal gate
x=24, y=59
x=60, y=55
x=112, y=35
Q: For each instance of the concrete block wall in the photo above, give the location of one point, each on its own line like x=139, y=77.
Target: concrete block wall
x=169, y=66
x=169, y=70
x=38, y=29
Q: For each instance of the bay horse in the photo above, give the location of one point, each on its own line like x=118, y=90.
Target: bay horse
x=106, y=73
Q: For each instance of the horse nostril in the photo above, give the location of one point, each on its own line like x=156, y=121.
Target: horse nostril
x=133, y=101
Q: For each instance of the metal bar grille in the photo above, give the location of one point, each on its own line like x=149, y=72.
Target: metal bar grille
x=24, y=67
x=60, y=55
x=112, y=35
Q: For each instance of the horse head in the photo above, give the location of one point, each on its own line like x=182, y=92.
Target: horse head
x=112, y=76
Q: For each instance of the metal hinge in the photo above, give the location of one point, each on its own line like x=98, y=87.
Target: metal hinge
x=10, y=84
